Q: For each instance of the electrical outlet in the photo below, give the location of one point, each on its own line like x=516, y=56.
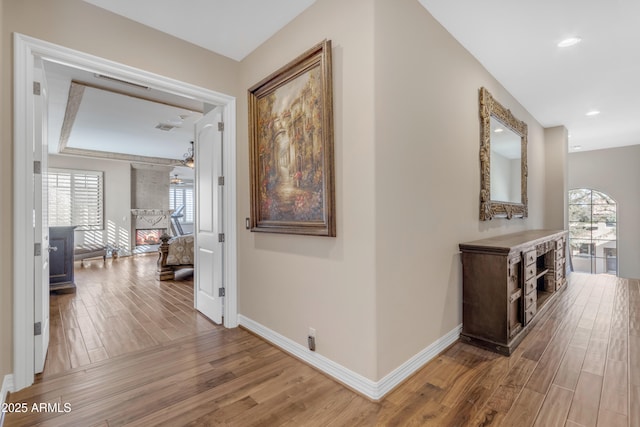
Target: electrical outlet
x=311, y=339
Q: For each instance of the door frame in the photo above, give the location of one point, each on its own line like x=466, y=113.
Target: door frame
x=26, y=49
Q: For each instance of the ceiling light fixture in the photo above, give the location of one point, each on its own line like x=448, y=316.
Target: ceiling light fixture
x=570, y=41
x=189, y=159
x=175, y=180
x=593, y=113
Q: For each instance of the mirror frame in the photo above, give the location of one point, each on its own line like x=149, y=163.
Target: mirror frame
x=490, y=209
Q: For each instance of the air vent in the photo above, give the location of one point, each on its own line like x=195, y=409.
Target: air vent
x=165, y=127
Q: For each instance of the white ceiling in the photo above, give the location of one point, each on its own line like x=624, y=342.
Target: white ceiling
x=108, y=121
x=233, y=28
x=516, y=41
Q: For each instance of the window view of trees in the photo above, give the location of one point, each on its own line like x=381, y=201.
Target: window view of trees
x=593, y=231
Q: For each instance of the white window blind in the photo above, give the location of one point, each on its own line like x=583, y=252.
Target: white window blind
x=182, y=195
x=76, y=198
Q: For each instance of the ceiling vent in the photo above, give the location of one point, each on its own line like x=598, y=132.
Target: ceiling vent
x=165, y=126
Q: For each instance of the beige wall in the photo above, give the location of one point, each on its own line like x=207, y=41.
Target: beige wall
x=556, y=154
x=290, y=283
x=407, y=169
x=427, y=176
x=614, y=172
x=81, y=26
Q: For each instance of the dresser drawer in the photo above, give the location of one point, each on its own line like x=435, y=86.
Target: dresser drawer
x=529, y=286
x=530, y=257
x=559, y=244
x=530, y=300
x=530, y=271
x=559, y=254
x=530, y=313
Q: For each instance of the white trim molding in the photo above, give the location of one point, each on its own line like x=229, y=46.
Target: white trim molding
x=27, y=50
x=411, y=366
x=7, y=386
x=374, y=390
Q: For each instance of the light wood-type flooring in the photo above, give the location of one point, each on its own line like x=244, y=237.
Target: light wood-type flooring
x=138, y=355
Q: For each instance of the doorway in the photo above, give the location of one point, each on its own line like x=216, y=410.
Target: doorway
x=593, y=232
x=28, y=50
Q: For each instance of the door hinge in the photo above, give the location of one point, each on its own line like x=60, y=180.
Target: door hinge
x=37, y=249
x=37, y=328
x=220, y=126
x=221, y=292
x=221, y=180
x=37, y=167
x=36, y=88
x=221, y=237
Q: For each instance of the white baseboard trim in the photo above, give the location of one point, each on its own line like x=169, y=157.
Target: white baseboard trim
x=374, y=390
x=408, y=368
x=7, y=386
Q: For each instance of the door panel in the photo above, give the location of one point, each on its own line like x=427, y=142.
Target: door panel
x=208, y=274
x=41, y=226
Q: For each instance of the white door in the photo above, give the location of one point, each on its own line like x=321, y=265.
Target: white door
x=41, y=226
x=208, y=272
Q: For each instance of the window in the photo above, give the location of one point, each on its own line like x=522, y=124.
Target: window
x=181, y=200
x=593, y=231
x=76, y=198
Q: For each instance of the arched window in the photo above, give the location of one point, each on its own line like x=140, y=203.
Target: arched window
x=593, y=231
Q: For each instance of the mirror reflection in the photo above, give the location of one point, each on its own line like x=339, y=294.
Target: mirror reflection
x=505, y=163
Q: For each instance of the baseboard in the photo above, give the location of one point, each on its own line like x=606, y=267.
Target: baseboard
x=374, y=390
x=7, y=386
x=408, y=368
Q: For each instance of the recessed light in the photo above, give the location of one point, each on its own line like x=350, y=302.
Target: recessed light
x=498, y=130
x=593, y=113
x=570, y=41
x=577, y=147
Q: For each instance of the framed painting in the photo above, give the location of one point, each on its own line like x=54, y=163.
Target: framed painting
x=291, y=147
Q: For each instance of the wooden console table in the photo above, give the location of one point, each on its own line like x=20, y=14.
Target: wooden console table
x=508, y=281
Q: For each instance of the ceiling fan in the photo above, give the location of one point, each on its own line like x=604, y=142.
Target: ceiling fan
x=175, y=180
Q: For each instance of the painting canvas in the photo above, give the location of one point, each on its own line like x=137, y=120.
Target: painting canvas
x=291, y=153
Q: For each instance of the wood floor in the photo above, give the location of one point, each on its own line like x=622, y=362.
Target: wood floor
x=579, y=366
x=119, y=307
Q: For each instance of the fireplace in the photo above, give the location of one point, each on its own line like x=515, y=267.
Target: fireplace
x=149, y=236
x=149, y=225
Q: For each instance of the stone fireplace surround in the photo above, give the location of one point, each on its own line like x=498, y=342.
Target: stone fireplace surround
x=146, y=219
x=149, y=200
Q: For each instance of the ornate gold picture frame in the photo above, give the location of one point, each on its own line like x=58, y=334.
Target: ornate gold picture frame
x=291, y=147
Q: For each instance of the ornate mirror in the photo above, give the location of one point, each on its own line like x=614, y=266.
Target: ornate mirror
x=503, y=161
